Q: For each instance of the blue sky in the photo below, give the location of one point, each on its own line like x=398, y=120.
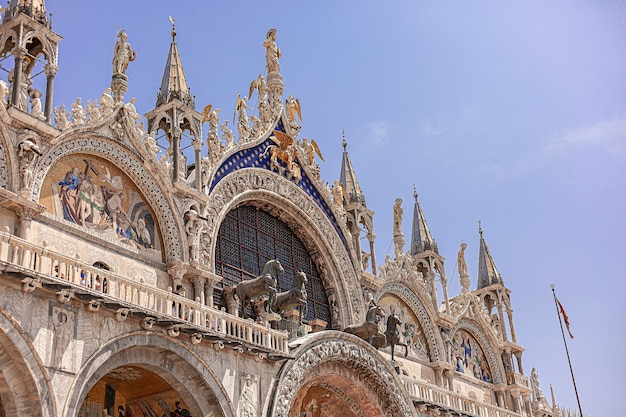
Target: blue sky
x=512, y=113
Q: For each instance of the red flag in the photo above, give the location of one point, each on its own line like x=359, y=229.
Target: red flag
x=565, y=319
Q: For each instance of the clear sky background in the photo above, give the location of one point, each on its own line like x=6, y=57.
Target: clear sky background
x=512, y=113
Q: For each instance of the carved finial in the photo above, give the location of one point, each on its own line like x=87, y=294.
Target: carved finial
x=414, y=192
x=480, y=230
x=343, y=139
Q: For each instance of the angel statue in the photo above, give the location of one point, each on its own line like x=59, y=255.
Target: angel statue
x=259, y=85
x=243, y=124
x=293, y=109
x=339, y=194
x=310, y=149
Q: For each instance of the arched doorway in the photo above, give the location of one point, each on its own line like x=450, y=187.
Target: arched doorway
x=335, y=373
x=148, y=374
x=136, y=389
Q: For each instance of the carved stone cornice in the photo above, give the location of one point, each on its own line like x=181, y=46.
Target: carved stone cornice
x=21, y=206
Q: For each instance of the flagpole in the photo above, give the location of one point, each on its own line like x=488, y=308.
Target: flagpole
x=558, y=313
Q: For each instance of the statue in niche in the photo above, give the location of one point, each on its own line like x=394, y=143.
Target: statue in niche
x=27, y=152
x=24, y=89
x=398, y=212
x=122, y=54
x=272, y=52
x=192, y=227
x=36, y=109
x=78, y=113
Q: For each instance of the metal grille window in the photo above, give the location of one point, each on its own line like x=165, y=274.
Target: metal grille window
x=248, y=238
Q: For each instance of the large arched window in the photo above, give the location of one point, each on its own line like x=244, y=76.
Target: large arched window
x=248, y=238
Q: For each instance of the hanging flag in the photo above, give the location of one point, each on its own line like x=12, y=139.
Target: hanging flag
x=565, y=319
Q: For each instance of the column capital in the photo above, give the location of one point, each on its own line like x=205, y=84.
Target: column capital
x=51, y=70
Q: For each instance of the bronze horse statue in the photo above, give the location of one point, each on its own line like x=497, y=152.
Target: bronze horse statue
x=369, y=329
x=295, y=297
x=265, y=284
x=392, y=334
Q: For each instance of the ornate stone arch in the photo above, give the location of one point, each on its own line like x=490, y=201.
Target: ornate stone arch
x=263, y=188
x=48, y=49
x=162, y=204
x=421, y=311
x=170, y=359
x=329, y=358
x=24, y=373
x=486, y=343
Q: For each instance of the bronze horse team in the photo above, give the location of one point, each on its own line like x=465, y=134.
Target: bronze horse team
x=267, y=283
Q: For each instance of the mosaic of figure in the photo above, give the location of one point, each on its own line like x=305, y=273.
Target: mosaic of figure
x=91, y=192
x=468, y=356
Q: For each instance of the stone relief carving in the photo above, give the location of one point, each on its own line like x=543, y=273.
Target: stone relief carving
x=357, y=359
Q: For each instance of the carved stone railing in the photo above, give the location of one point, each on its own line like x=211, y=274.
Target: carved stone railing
x=432, y=395
x=43, y=265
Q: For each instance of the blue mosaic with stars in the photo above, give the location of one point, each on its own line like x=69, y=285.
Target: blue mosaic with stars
x=256, y=157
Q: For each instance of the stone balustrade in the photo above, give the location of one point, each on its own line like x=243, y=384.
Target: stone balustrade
x=44, y=265
x=432, y=394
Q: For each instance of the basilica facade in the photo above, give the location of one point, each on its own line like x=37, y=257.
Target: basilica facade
x=144, y=263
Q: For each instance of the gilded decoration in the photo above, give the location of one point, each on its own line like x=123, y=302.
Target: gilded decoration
x=411, y=331
x=94, y=193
